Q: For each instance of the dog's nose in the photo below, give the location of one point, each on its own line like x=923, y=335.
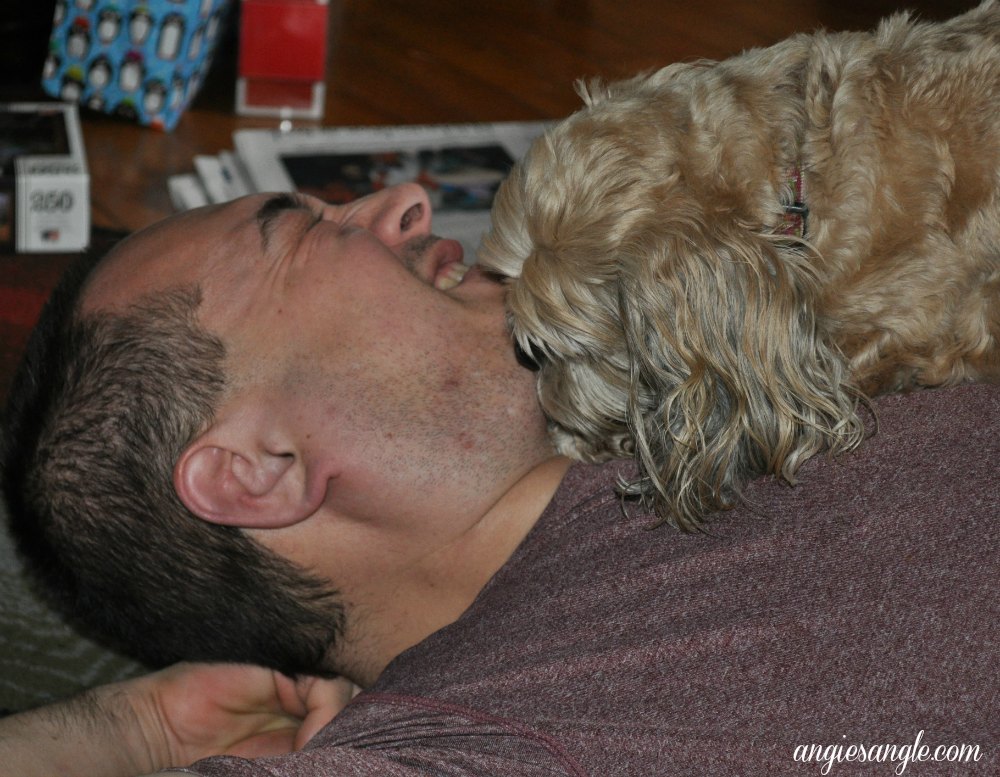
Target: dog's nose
x=524, y=360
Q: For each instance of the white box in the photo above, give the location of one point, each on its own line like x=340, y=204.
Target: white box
x=44, y=183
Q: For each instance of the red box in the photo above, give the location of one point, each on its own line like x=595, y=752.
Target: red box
x=282, y=62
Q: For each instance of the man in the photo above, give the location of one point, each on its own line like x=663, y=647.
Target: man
x=342, y=361
x=375, y=438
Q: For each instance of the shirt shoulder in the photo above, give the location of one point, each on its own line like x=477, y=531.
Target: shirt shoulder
x=403, y=736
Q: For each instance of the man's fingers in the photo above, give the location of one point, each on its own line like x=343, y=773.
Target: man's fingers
x=323, y=700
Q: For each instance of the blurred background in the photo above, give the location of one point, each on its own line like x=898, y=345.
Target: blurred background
x=426, y=61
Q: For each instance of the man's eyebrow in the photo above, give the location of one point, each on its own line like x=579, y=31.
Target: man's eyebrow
x=268, y=213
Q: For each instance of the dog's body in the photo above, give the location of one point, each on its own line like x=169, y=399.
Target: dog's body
x=677, y=318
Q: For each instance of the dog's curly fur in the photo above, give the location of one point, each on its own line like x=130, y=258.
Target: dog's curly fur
x=674, y=318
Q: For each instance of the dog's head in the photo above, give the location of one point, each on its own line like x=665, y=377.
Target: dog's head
x=671, y=323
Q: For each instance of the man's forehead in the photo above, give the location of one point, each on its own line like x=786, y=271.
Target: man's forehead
x=185, y=249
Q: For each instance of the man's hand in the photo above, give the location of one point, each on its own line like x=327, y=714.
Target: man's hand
x=170, y=718
x=205, y=710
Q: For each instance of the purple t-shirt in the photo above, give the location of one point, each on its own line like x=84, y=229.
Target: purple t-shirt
x=850, y=620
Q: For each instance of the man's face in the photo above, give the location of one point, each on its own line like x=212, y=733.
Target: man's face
x=344, y=322
x=391, y=392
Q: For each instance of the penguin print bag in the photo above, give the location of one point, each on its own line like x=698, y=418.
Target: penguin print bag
x=143, y=60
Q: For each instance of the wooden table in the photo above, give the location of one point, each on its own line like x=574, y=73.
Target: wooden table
x=430, y=61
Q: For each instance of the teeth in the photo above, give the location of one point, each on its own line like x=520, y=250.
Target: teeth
x=451, y=277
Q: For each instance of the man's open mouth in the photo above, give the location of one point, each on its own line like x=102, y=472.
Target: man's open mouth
x=447, y=268
x=450, y=275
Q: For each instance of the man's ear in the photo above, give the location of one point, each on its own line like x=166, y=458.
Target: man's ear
x=227, y=477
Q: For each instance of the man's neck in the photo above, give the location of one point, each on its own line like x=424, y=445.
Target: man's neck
x=437, y=592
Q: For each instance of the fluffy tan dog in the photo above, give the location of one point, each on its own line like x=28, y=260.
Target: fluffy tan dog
x=662, y=278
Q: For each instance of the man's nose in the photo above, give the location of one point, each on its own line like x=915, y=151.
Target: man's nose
x=395, y=215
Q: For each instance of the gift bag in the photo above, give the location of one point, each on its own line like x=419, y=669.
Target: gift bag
x=143, y=60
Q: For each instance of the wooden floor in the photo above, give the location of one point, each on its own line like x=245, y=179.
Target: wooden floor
x=430, y=61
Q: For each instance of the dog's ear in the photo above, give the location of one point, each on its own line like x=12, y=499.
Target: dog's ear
x=730, y=378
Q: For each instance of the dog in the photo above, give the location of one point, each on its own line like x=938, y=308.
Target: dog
x=716, y=264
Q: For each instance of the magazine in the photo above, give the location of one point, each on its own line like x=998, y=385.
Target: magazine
x=460, y=165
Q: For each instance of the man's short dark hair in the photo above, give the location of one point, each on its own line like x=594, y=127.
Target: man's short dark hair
x=99, y=412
